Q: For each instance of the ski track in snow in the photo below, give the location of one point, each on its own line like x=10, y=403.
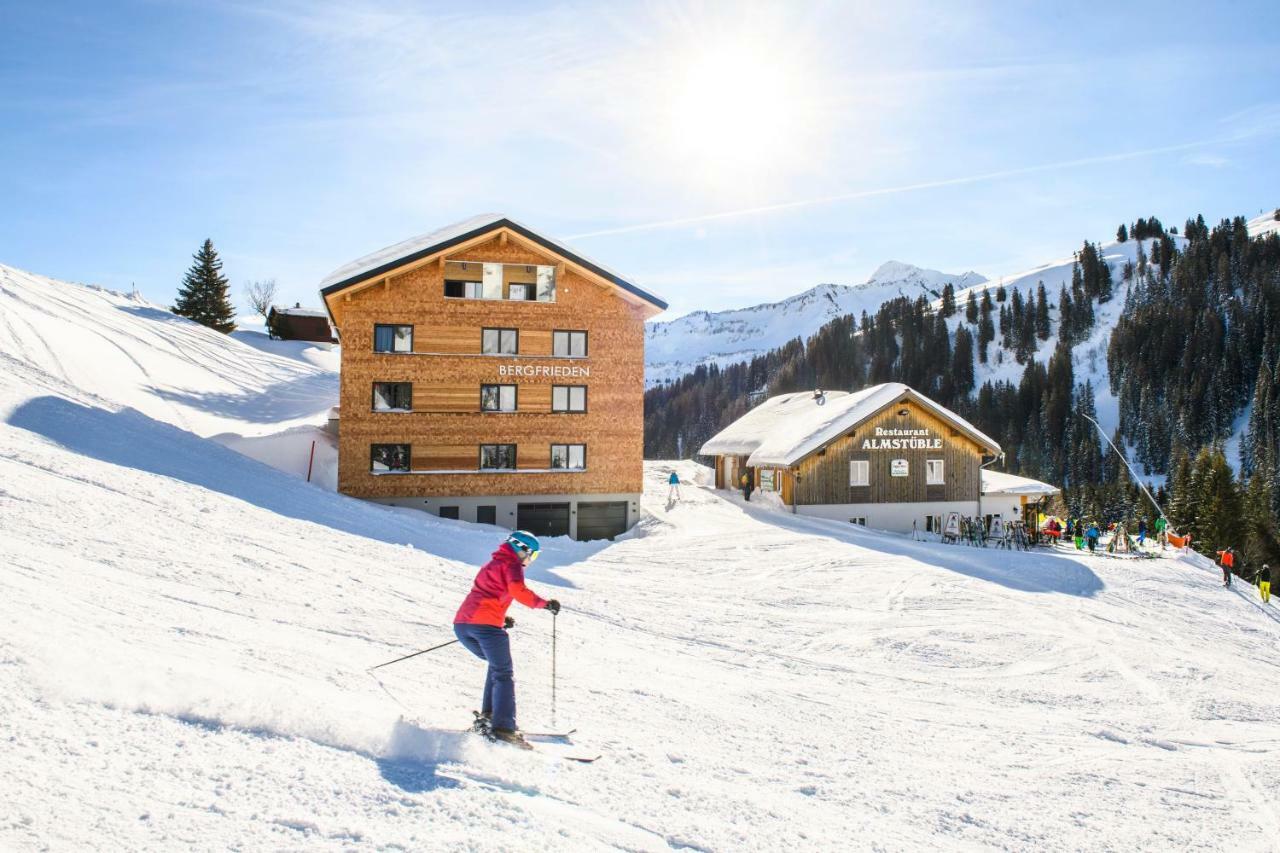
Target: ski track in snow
x=188, y=633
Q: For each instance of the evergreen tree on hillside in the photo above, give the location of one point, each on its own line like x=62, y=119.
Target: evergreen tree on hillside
x=1218, y=512
x=1122, y=234
x=1043, y=327
x=948, y=300
x=962, y=362
x=204, y=295
x=1064, y=316
x=971, y=308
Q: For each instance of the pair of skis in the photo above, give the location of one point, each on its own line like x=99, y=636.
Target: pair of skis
x=481, y=727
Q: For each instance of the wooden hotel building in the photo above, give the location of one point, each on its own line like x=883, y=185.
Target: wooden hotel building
x=493, y=375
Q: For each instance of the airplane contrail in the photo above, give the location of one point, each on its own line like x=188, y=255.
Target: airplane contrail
x=904, y=188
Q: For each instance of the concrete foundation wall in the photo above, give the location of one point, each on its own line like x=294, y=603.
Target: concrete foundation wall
x=896, y=517
x=506, y=505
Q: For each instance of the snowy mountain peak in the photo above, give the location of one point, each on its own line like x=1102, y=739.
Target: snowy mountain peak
x=675, y=347
x=897, y=272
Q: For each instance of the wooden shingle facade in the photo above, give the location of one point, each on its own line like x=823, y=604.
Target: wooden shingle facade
x=506, y=374
x=885, y=457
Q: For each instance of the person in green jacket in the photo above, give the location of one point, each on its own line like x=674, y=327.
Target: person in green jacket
x=1161, y=524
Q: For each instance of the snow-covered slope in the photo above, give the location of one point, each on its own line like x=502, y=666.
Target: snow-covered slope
x=187, y=634
x=1264, y=223
x=675, y=347
x=264, y=397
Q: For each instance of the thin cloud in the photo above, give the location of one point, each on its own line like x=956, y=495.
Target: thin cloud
x=907, y=188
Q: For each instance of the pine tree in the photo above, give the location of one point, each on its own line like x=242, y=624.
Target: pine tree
x=204, y=295
x=1042, y=324
x=1122, y=234
x=971, y=308
x=1001, y=294
x=948, y=300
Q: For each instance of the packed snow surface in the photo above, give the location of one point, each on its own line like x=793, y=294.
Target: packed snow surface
x=188, y=631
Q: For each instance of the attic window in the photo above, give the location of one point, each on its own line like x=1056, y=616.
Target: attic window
x=902, y=413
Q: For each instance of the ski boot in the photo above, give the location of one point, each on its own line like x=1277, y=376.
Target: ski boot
x=481, y=724
x=509, y=736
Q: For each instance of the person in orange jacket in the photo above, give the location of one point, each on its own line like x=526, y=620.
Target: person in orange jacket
x=1227, y=559
x=481, y=624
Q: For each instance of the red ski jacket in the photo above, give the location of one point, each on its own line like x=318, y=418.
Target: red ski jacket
x=499, y=582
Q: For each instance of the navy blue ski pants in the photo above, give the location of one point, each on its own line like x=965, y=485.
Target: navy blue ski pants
x=491, y=644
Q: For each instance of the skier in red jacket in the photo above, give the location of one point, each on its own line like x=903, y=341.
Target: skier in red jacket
x=481, y=624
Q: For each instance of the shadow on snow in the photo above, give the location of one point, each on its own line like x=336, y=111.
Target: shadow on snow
x=131, y=439
x=1038, y=570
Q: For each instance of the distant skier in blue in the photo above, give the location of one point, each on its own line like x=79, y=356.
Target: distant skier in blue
x=673, y=487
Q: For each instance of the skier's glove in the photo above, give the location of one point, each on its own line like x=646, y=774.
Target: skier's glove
x=508, y=622
x=553, y=606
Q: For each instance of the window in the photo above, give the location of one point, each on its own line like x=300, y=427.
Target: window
x=546, y=278
x=569, y=456
x=387, y=458
x=568, y=398
x=569, y=344
x=392, y=338
x=449, y=512
x=861, y=521
x=859, y=473
x=497, y=457
x=499, y=341
x=933, y=473
x=393, y=396
x=497, y=398
x=486, y=515
x=520, y=292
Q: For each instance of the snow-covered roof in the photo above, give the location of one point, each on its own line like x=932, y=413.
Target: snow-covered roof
x=406, y=251
x=299, y=312
x=784, y=429
x=998, y=482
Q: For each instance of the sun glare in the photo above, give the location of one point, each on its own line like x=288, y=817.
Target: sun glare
x=739, y=108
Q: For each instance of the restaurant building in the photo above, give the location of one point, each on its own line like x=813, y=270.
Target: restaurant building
x=885, y=457
x=493, y=375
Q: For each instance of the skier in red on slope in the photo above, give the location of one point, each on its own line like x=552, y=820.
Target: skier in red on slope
x=481, y=624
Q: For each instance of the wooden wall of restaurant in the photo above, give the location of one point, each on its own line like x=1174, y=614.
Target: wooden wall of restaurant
x=447, y=426
x=823, y=478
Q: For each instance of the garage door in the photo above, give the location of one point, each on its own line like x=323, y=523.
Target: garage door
x=603, y=520
x=543, y=519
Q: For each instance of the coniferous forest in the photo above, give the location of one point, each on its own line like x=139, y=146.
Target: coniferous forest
x=1193, y=359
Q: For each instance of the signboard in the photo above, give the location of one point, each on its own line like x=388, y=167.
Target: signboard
x=766, y=480
x=997, y=529
x=572, y=371
x=893, y=438
x=899, y=468
x=952, y=530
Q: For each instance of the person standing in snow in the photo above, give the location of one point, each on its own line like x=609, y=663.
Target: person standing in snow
x=1264, y=583
x=481, y=624
x=1162, y=525
x=745, y=482
x=673, y=487
x=1091, y=536
x=1227, y=559
x=1142, y=532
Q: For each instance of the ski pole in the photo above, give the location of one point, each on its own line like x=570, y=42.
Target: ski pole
x=414, y=655
x=553, y=669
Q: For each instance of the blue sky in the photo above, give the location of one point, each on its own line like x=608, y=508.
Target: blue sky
x=721, y=154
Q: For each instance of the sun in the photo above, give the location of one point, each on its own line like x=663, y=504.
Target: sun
x=738, y=106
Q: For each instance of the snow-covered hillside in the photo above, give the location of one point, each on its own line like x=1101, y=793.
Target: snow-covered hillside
x=187, y=633
x=675, y=347
x=264, y=397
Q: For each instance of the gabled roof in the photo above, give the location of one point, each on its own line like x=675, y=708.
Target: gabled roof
x=785, y=429
x=298, y=312
x=385, y=260
x=998, y=482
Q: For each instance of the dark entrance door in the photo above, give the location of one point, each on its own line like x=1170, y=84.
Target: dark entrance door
x=603, y=520
x=543, y=519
